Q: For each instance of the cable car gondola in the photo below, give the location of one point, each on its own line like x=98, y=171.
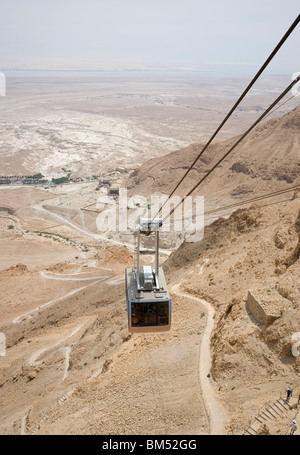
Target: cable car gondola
x=148, y=299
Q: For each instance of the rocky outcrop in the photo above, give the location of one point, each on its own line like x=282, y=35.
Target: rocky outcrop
x=265, y=310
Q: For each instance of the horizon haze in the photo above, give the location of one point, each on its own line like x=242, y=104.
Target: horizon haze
x=113, y=35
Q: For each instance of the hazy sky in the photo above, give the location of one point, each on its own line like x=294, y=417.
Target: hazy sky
x=158, y=32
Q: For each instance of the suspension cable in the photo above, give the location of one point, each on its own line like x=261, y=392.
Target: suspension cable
x=266, y=63
x=295, y=81
x=253, y=199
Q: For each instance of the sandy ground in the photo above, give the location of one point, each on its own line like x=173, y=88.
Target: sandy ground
x=66, y=331
x=70, y=366
x=87, y=126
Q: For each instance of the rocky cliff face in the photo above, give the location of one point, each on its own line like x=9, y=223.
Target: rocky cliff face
x=267, y=159
x=256, y=250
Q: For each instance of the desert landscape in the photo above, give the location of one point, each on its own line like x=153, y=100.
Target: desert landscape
x=70, y=366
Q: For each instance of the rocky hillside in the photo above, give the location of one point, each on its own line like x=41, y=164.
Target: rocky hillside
x=70, y=365
x=250, y=267
x=268, y=159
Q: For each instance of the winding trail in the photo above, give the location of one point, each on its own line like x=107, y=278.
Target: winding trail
x=214, y=408
x=85, y=231
x=71, y=277
x=33, y=360
x=30, y=313
x=62, y=344
x=67, y=349
x=78, y=228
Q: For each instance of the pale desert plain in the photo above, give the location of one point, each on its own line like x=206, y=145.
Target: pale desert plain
x=68, y=364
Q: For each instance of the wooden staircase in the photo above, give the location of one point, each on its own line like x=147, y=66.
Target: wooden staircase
x=279, y=408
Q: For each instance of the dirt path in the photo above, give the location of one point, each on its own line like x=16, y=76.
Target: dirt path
x=30, y=313
x=85, y=231
x=33, y=361
x=149, y=359
x=74, y=226
x=37, y=358
x=214, y=408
